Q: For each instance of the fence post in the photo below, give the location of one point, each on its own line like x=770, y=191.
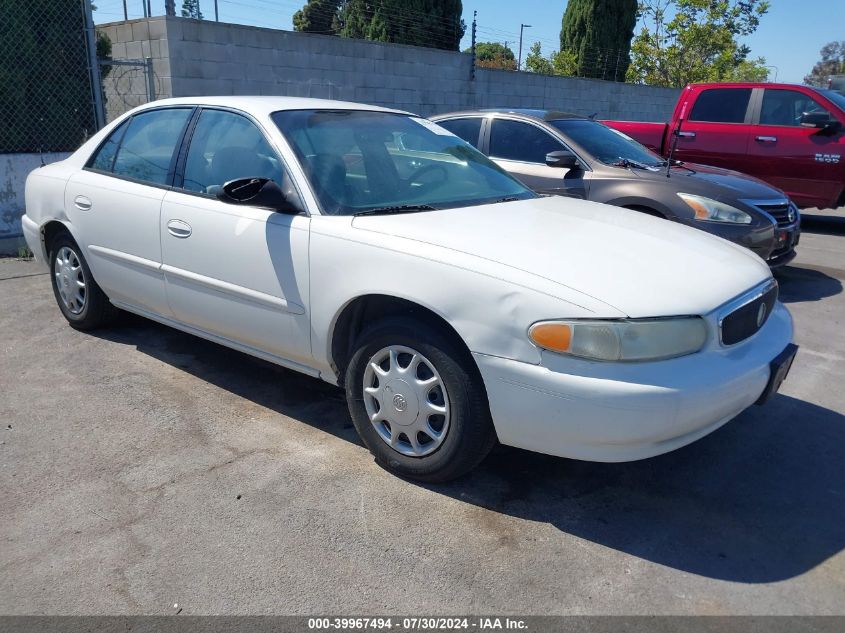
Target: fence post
x=151, y=86
x=472, y=60
x=93, y=66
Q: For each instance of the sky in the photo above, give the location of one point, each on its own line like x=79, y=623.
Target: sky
x=789, y=37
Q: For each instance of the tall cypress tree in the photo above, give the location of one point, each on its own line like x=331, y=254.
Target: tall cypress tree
x=599, y=33
x=317, y=16
x=431, y=23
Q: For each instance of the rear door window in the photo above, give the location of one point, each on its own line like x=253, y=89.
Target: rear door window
x=468, y=128
x=515, y=140
x=721, y=105
x=146, y=149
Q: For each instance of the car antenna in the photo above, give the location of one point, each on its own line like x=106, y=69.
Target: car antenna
x=592, y=117
x=676, y=134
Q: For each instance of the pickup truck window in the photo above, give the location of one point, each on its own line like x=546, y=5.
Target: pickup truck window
x=721, y=105
x=514, y=140
x=837, y=97
x=785, y=107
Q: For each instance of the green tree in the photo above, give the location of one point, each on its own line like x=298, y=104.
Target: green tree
x=563, y=63
x=317, y=16
x=191, y=9
x=832, y=63
x=598, y=33
x=536, y=63
x=44, y=83
x=493, y=55
x=686, y=41
x=431, y=23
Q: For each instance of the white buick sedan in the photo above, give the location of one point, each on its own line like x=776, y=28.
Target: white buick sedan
x=377, y=251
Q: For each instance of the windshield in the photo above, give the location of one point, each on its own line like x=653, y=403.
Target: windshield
x=359, y=161
x=837, y=97
x=605, y=144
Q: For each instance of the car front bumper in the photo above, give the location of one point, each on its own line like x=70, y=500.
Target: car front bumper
x=615, y=412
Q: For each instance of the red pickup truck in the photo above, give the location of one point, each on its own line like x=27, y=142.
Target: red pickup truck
x=793, y=137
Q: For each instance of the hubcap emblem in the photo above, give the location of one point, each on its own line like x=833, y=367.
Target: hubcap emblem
x=399, y=402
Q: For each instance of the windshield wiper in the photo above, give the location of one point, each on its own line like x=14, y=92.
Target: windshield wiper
x=399, y=208
x=627, y=162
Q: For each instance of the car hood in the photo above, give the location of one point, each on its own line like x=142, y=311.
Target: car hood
x=713, y=182
x=640, y=265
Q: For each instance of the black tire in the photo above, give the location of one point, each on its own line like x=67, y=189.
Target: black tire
x=96, y=310
x=470, y=435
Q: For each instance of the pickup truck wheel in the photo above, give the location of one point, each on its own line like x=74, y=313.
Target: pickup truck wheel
x=82, y=302
x=417, y=401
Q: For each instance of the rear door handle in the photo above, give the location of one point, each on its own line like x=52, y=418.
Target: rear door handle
x=767, y=139
x=82, y=203
x=178, y=228
x=686, y=134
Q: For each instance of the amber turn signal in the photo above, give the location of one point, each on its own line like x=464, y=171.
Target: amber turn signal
x=553, y=336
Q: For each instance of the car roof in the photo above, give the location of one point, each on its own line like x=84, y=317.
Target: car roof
x=542, y=115
x=265, y=105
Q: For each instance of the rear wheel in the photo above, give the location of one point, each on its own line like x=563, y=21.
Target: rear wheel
x=82, y=302
x=418, y=401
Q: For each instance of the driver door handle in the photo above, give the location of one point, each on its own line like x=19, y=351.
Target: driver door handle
x=683, y=134
x=178, y=228
x=766, y=139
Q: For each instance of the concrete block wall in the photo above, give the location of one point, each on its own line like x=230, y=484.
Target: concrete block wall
x=192, y=57
x=125, y=87
x=14, y=168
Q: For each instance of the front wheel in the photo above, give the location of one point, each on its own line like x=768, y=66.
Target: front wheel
x=418, y=402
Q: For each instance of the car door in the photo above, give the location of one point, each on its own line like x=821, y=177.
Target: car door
x=236, y=272
x=115, y=201
x=716, y=130
x=794, y=158
x=520, y=148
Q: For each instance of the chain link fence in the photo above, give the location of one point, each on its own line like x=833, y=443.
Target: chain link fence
x=45, y=79
x=127, y=83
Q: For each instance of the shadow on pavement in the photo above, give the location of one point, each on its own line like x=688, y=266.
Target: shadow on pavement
x=761, y=500
x=799, y=284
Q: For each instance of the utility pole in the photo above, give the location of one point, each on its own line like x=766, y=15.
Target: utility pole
x=216, y=14
x=521, y=28
x=149, y=8
x=144, y=8
x=125, y=11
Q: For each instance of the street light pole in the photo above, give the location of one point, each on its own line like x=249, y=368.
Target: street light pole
x=776, y=71
x=521, y=28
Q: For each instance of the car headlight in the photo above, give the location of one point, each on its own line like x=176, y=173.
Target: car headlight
x=622, y=340
x=713, y=210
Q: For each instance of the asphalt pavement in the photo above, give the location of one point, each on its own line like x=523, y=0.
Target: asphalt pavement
x=141, y=468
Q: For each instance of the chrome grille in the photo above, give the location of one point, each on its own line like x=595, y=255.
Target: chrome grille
x=746, y=319
x=782, y=211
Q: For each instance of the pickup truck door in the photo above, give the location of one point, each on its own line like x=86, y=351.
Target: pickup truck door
x=520, y=148
x=237, y=272
x=716, y=129
x=807, y=163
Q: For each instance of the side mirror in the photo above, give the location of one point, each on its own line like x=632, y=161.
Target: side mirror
x=256, y=192
x=563, y=159
x=818, y=120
